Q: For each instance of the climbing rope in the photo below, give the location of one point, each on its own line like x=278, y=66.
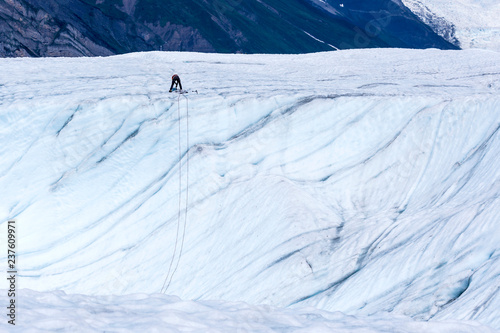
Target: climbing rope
x=164, y=289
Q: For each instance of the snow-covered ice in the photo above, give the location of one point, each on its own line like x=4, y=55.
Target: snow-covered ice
x=475, y=23
x=59, y=312
x=359, y=181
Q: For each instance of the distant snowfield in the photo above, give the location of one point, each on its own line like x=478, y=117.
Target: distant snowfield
x=349, y=190
x=477, y=22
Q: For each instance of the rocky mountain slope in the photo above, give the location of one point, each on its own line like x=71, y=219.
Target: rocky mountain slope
x=104, y=27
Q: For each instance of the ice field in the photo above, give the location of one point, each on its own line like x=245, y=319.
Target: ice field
x=475, y=22
x=343, y=191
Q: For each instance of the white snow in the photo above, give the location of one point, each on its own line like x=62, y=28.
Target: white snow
x=319, y=40
x=360, y=181
x=476, y=22
x=59, y=312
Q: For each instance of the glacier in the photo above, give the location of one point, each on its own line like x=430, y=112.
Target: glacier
x=466, y=23
x=344, y=190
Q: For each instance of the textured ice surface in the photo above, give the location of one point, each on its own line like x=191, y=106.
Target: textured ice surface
x=475, y=23
x=58, y=312
x=365, y=182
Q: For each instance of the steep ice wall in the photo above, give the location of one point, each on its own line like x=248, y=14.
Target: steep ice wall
x=359, y=181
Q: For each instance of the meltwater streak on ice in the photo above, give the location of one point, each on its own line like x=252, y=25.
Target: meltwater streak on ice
x=360, y=181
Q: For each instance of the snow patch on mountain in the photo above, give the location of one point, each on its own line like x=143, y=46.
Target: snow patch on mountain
x=470, y=23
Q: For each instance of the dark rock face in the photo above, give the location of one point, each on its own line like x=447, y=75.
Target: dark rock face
x=26, y=30
x=37, y=28
x=174, y=37
x=71, y=28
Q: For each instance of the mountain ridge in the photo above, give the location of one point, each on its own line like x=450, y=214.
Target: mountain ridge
x=101, y=28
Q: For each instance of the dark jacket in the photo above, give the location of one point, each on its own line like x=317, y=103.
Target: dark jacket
x=177, y=81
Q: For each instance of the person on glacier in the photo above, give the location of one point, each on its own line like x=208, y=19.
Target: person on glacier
x=177, y=81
